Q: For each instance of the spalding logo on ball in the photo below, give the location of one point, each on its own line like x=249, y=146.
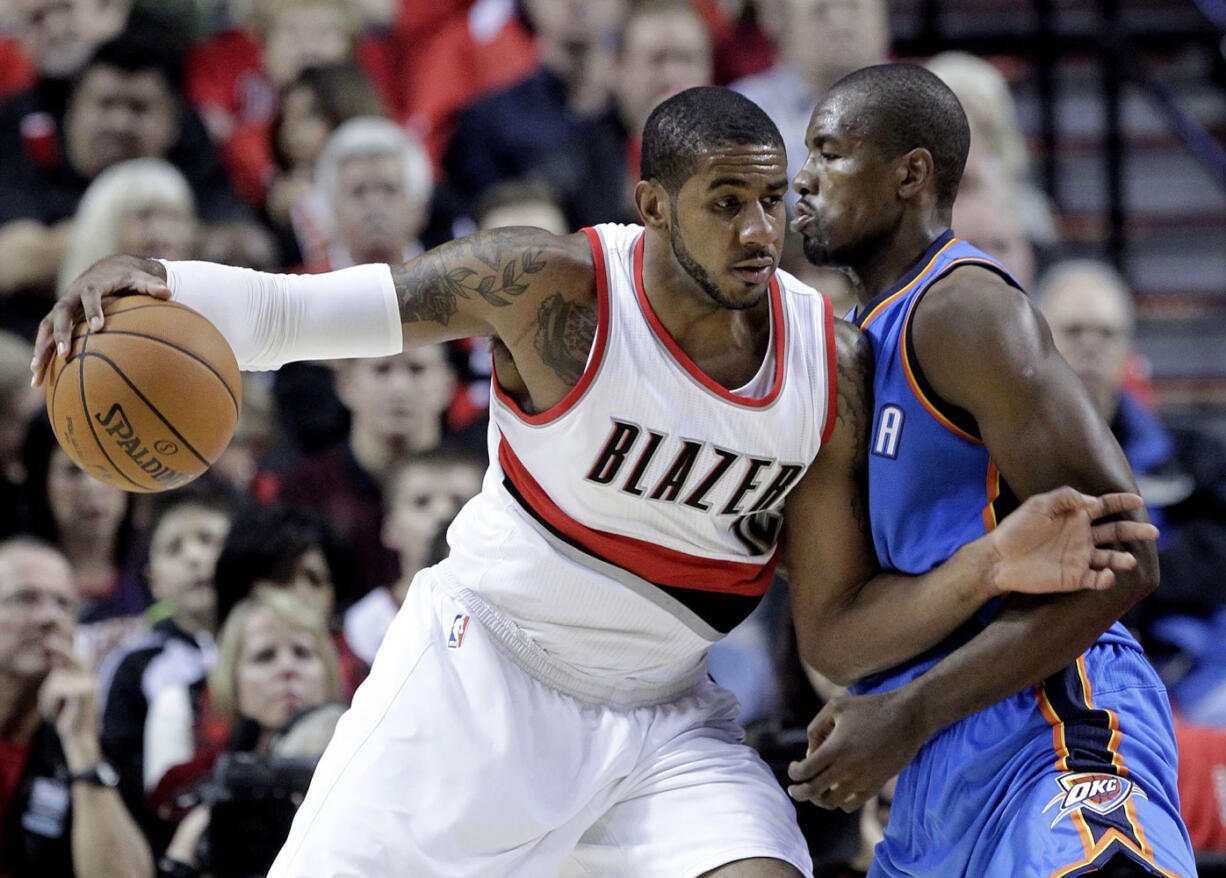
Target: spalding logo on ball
x=150, y=401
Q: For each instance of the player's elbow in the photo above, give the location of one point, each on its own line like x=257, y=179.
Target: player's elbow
x=821, y=653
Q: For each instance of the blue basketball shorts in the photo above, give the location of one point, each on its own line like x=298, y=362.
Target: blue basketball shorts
x=1051, y=783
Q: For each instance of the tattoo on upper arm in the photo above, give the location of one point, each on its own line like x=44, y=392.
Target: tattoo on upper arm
x=564, y=334
x=855, y=406
x=493, y=266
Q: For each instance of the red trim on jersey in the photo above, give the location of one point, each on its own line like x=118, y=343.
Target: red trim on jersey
x=832, y=372
x=564, y=405
x=686, y=363
x=649, y=561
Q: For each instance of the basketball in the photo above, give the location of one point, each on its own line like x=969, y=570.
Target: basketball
x=150, y=401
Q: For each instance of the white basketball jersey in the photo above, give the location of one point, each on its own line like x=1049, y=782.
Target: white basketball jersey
x=628, y=527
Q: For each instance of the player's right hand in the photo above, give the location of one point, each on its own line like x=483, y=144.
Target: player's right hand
x=113, y=276
x=1051, y=542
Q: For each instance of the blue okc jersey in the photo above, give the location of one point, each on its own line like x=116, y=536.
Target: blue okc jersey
x=1000, y=793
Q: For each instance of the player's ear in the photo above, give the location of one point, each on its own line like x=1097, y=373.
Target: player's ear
x=915, y=170
x=652, y=203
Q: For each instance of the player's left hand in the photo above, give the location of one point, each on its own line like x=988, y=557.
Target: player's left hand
x=856, y=744
x=1050, y=543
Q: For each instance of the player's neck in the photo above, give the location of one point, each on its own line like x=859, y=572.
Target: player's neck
x=884, y=265
x=727, y=344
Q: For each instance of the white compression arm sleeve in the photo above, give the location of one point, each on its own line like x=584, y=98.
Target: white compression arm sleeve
x=273, y=319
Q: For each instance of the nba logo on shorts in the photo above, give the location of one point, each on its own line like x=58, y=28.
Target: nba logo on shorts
x=458, y=626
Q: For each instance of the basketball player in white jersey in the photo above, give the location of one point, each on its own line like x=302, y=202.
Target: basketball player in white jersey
x=540, y=705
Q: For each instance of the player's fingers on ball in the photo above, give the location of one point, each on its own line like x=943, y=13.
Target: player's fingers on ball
x=61, y=326
x=150, y=285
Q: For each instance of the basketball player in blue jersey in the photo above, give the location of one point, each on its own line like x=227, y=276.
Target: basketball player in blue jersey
x=1039, y=738
x=540, y=704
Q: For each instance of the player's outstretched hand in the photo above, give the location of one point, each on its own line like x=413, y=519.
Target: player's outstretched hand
x=113, y=276
x=1051, y=544
x=856, y=744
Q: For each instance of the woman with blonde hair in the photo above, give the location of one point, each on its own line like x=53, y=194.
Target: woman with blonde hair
x=275, y=660
x=142, y=206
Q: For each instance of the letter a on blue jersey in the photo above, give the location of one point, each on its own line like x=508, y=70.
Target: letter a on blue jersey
x=888, y=432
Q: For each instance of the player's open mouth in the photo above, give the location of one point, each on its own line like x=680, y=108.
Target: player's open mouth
x=754, y=271
x=804, y=216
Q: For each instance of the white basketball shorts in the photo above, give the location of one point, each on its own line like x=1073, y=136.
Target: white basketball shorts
x=453, y=761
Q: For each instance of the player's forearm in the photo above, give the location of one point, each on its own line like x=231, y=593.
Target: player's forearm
x=1032, y=638
x=273, y=319
x=894, y=617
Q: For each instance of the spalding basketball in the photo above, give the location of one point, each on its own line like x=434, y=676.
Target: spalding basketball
x=148, y=402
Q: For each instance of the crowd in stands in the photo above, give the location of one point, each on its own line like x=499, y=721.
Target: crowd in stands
x=171, y=665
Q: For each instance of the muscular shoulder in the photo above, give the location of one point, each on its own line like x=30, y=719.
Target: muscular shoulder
x=970, y=312
x=975, y=334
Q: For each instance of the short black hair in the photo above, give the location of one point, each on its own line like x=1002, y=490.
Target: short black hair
x=906, y=106
x=142, y=46
x=266, y=541
x=697, y=119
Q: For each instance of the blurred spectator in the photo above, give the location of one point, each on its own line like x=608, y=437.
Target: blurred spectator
x=139, y=206
x=60, y=814
x=241, y=465
x=664, y=48
x=186, y=531
x=274, y=660
x=268, y=548
x=996, y=138
x=424, y=493
x=522, y=203
x=234, y=78
x=310, y=109
x=122, y=106
x=509, y=133
x=819, y=42
x=19, y=402
x=471, y=50
x=1181, y=472
x=373, y=189
x=53, y=38
x=374, y=178
x=988, y=215
x=1202, y=788
x=396, y=407
x=245, y=244
x=91, y=522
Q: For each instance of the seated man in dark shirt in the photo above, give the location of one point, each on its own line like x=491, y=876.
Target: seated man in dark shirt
x=60, y=814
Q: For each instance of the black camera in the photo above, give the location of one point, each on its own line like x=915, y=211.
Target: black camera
x=252, y=799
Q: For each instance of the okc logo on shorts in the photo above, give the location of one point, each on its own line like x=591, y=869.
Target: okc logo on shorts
x=1101, y=793
x=458, y=626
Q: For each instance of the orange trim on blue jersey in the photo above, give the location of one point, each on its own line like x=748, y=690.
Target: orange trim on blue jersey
x=993, y=491
x=1112, y=837
x=683, y=359
x=1113, y=721
x=598, y=345
x=908, y=369
x=832, y=372
x=881, y=306
x=1057, y=728
x=649, y=561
